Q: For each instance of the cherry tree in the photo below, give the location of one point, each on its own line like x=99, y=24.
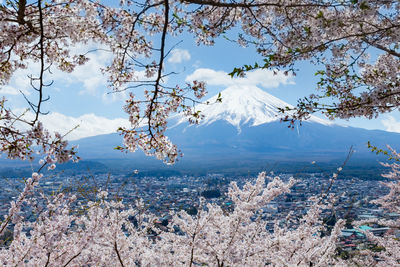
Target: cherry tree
x=239, y=238
x=354, y=42
x=43, y=33
x=391, y=203
x=107, y=231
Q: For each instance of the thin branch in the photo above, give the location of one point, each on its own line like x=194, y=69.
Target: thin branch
x=42, y=66
x=381, y=47
x=333, y=179
x=48, y=259
x=133, y=28
x=73, y=257
x=252, y=4
x=160, y=65
x=119, y=256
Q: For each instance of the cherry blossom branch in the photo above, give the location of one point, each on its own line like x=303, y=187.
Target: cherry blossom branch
x=21, y=11
x=245, y=4
x=119, y=256
x=42, y=67
x=336, y=174
x=383, y=48
x=160, y=66
x=72, y=258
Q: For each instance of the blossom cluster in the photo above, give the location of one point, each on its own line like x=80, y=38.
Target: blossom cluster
x=102, y=230
x=338, y=36
x=106, y=231
x=22, y=140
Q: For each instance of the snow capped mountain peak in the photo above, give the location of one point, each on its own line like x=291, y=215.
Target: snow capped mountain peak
x=244, y=105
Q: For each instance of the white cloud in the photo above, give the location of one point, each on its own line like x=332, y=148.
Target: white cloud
x=19, y=82
x=86, y=79
x=179, y=55
x=391, y=124
x=110, y=97
x=88, y=124
x=9, y=90
x=263, y=78
x=89, y=77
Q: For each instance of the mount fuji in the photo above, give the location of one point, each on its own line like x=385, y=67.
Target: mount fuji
x=244, y=105
x=245, y=130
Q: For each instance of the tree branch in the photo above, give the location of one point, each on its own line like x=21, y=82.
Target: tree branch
x=252, y=4
x=381, y=47
x=160, y=65
x=42, y=67
x=119, y=256
x=21, y=11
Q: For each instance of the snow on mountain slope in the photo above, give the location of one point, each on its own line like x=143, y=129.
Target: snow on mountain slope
x=244, y=105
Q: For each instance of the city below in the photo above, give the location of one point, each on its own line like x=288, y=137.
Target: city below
x=166, y=195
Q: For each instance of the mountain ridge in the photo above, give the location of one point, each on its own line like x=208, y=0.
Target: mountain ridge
x=247, y=124
x=243, y=105
x=244, y=141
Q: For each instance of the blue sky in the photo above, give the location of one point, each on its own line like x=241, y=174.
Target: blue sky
x=82, y=97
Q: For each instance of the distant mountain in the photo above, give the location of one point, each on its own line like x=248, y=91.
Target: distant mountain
x=243, y=106
x=241, y=135
x=245, y=130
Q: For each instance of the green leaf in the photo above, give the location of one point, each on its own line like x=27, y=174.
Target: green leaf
x=236, y=71
x=219, y=98
x=381, y=151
